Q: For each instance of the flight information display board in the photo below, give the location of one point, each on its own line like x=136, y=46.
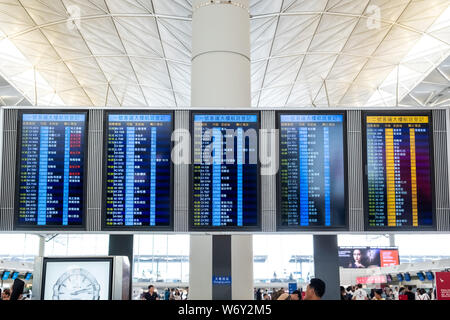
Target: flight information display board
x=225, y=174
x=51, y=157
x=398, y=160
x=138, y=171
x=312, y=179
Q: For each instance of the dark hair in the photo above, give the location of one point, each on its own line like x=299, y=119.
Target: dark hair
x=151, y=286
x=379, y=291
x=349, y=288
x=7, y=292
x=409, y=288
x=359, y=285
x=17, y=289
x=297, y=292
x=318, y=286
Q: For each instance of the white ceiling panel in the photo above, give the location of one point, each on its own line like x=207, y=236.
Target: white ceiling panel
x=303, y=52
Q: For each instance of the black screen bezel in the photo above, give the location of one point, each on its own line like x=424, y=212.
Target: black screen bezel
x=170, y=227
x=75, y=260
x=191, y=175
x=296, y=228
x=364, y=115
x=22, y=227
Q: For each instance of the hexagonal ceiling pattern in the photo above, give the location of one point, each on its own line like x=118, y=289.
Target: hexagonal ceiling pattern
x=328, y=53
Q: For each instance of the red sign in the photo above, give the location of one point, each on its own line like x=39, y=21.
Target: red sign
x=389, y=258
x=443, y=285
x=371, y=279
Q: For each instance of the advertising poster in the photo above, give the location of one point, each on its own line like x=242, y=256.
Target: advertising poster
x=367, y=257
x=443, y=285
x=77, y=280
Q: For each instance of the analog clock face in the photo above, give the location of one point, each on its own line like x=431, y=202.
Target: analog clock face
x=76, y=284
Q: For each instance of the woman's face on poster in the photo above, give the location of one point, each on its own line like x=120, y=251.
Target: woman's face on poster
x=357, y=256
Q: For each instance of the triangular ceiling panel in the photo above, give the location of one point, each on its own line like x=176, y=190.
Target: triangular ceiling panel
x=303, y=53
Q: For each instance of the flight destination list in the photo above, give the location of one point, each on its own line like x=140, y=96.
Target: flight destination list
x=51, y=157
x=138, y=170
x=399, y=171
x=225, y=170
x=312, y=170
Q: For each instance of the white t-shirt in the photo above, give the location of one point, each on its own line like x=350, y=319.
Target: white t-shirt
x=360, y=294
x=395, y=295
x=423, y=297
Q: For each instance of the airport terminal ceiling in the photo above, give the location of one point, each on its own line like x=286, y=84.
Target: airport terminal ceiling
x=324, y=53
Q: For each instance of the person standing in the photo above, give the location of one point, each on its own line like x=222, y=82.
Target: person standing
x=423, y=295
x=377, y=294
x=166, y=294
x=296, y=295
x=410, y=294
x=6, y=294
x=151, y=295
x=343, y=294
x=315, y=289
x=396, y=293
x=360, y=293
x=350, y=290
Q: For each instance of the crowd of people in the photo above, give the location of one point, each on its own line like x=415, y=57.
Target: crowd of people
x=314, y=291
x=169, y=294
x=403, y=293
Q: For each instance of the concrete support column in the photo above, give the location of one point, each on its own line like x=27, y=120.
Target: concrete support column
x=326, y=264
x=122, y=245
x=41, y=246
x=221, y=78
x=220, y=54
x=392, y=240
x=200, y=267
x=242, y=267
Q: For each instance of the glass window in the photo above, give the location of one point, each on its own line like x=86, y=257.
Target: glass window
x=362, y=240
x=423, y=247
x=161, y=258
x=19, y=247
x=77, y=245
x=282, y=258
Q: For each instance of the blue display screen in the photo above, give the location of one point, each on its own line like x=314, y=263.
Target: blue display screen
x=400, y=277
x=312, y=170
x=5, y=275
x=430, y=275
x=138, y=170
x=28, y=276
x=51, y=169
x=225, y=170
x=407, y=277
x=421, y=276
x=14, y=275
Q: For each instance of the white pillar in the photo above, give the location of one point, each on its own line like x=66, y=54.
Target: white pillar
x=41, y=246
x=220, y=54
x=200, y=267
x=220, y=78
x=242, y=267
x=392, y=239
